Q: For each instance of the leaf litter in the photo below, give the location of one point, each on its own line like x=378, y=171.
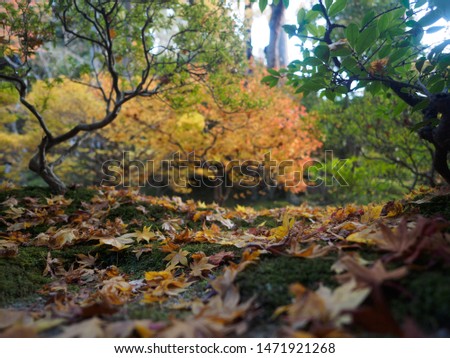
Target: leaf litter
x=87, y=297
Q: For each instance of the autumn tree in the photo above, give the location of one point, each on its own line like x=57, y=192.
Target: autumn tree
x=383, y=53
x=211, y=145
x=138, y=49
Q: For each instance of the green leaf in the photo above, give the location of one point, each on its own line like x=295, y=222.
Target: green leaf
x=337, y=7
x=273, y=72
x=431, y=121
x=262, y=5
x=433, y=29
x=384, y=51
x=342, y=52
x=291, y=30
x=286, y=3
x=322, y=52
x=430, y=18
x=301, y=14
x=317, y=8
x=384, y=22
x=329, y=94
x=341, y=90
x=419, y=63
x=369, y=16
x=351, y=65
x=312, y=15
x=352, y=34
x=311, y=61
x=271, y=81
x=438, y=87
x=374, y=87
x=421, y=105
x=366, y=39
x=405, y=3
x=444, y=60
x=328, y=3
x=312, y=85
x=312, y=29
x=398, y=55
x=420, y=3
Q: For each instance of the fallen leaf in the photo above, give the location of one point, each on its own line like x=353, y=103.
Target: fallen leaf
x=201, y=267
x=178, y=257
x=373, y=276
x=91, y=328
x=220, y=257
x=118, y=244
x=8, y=248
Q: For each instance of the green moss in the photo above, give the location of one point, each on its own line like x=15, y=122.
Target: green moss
x=269, y=279
x=69, y=253
x=78, y=196
x=128, y=263
x=427, y=302
x=21, y=276
x=211, y=249
x=36, y=230
x=128, y=212
x=268, y=221
x=39, y=193
x=153, y=311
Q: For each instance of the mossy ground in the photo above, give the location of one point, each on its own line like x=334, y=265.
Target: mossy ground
x=425, y=296
x=21, y=276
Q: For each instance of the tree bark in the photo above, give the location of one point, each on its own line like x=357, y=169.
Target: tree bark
x=276, y=51
x=441, y=136
x=56, y=185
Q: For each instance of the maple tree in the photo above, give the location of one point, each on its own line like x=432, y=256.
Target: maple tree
x=228, y=148
x=129, y=56
x=381, y=52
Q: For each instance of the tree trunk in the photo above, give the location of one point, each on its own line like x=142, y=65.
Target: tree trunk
x=276, y=51
x=56, y=185
x=441, y=137
x=248, y=21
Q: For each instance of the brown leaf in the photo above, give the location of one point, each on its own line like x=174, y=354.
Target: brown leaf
x=8, y=248
x=91, y=328
x=220, y=257
x=118, y=244
x=201, y=267
x=373, y=276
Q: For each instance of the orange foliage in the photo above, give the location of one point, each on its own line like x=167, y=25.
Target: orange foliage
x=279, y=127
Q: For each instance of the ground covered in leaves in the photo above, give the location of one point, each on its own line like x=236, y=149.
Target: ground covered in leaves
x=115, y=263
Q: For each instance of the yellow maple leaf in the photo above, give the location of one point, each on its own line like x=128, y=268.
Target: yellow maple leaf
x=157, y=275
x=118, y=243
x=367, y=236
x=145, y=235
x=178, y=257
x=199, y=267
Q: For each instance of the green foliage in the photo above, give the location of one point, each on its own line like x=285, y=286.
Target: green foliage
x=384, y=157
x=367, y=52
